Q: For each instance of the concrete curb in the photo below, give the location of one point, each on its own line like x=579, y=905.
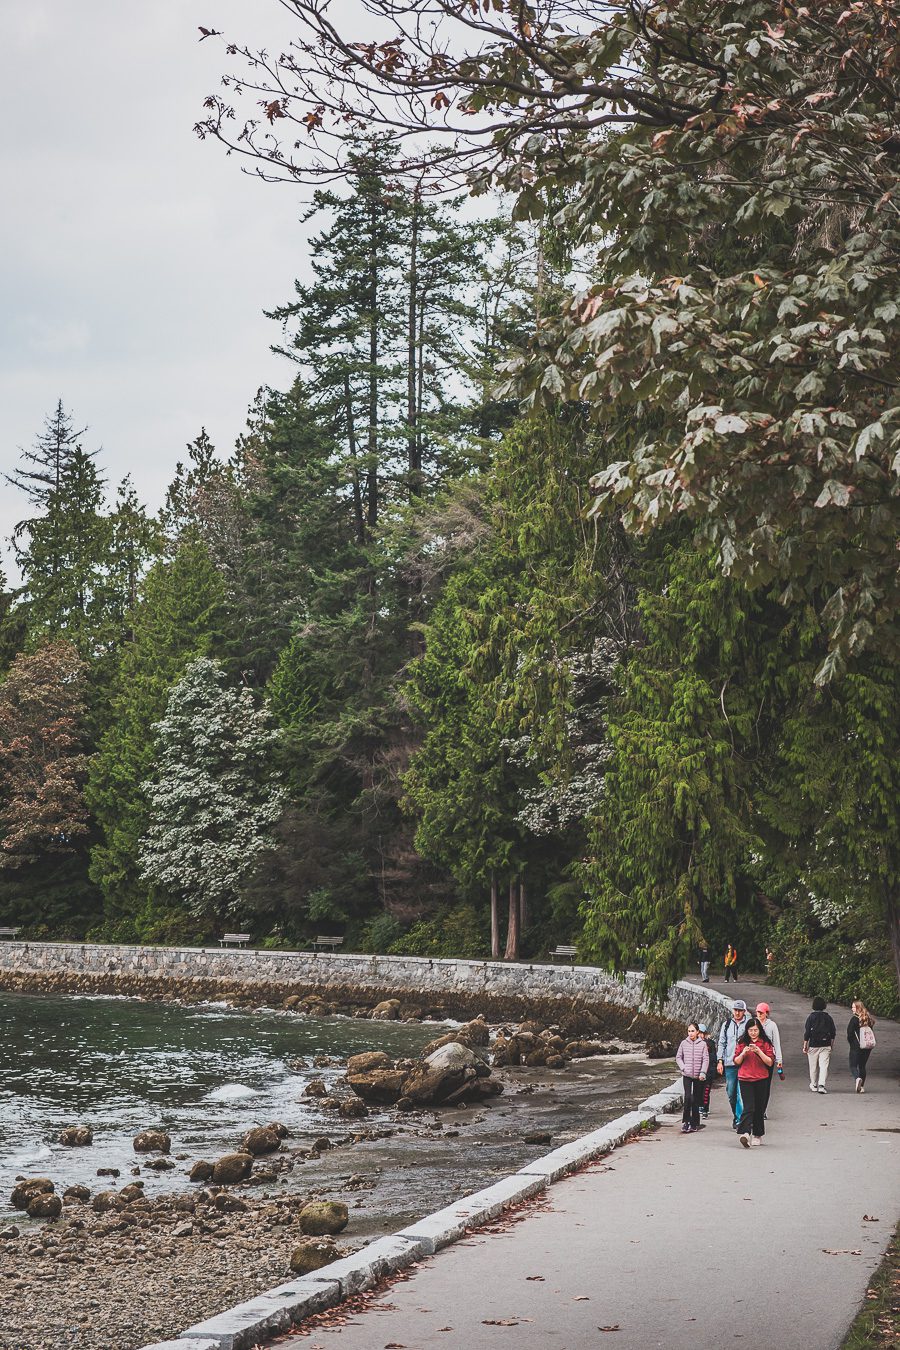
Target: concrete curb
x=279, y=1309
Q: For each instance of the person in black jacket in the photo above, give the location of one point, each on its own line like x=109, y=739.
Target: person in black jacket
x=818, y=1038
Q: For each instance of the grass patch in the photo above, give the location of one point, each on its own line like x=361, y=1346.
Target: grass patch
x=877, y=1324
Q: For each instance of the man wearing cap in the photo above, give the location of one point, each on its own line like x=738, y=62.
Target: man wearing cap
x=770, y=1027
x=728, y=1038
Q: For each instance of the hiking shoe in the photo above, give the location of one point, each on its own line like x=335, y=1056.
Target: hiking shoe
x=745, y=1140
x=755, y=1141
x=859, y=1085
x=823, y=1089
x=685, y=1129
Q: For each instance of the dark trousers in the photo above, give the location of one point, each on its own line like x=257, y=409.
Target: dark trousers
x=754, y=1095
x=858, y=1061
x=731, y=973
x=766, y=1088
x=693, y=1096
x=707, y=1093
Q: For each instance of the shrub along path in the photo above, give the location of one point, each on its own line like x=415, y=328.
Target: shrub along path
x=681, y=1241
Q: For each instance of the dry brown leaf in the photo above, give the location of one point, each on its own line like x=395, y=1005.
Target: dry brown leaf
x=842, y=1251
x=615, y=1327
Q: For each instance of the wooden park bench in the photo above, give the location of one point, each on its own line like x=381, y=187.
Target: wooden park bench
x=9, y=932
x=235, y=939
x=564, y=952
x=322, y=943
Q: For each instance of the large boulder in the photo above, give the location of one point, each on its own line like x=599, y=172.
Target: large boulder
x=76, y=1136
x=76, y=1194
x=263, y=1139
x=352, y=1108
x=381, y=1087
x=152, y=1141
x=27, y=1187
x=369, y=1059
x=440, y=1075
x=315, y=1088
x=312, y=1253
x=321, y=1217
x=44, y=1205
x=388, y=1011
x=231, y=1168
x=201, y=1171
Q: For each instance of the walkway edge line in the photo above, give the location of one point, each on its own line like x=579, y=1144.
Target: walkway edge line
x=277, y=1310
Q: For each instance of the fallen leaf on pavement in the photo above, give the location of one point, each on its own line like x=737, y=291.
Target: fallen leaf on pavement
x=582, y=1298
x=534, y=1277
x=615, y=1327
x=868, y=1218
x=504, y=1321
x=842, y=1251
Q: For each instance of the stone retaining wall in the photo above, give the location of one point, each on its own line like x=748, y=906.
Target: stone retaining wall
x=455, y=988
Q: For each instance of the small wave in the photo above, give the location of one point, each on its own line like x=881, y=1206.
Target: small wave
x=230, y=1092
x=37, y=1153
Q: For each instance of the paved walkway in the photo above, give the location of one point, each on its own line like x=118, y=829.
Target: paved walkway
x=687, y=1242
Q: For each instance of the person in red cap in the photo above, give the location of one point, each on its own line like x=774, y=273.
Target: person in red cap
x=770, y=1028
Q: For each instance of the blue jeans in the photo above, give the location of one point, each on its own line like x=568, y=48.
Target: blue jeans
x=733, y=1090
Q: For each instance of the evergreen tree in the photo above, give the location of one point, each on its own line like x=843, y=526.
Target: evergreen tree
x=179, y=617
x=214, y=800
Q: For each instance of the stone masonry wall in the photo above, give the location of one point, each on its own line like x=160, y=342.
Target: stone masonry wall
x=453, y=987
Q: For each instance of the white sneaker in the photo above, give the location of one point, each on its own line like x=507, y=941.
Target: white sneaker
x=755, y=1142
x=745, y=1140
x=813, y=1088
x=862, y=1089
x=859, y=1085
x=822, y=1088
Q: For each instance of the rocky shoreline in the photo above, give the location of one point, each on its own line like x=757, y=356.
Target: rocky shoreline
x=112, y=1269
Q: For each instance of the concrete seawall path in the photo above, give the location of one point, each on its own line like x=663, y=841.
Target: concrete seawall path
x=687, y=1242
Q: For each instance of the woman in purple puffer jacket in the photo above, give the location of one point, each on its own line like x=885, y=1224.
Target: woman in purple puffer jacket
x=692, y=1059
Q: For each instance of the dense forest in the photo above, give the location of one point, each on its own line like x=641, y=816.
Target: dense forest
x=555, y=596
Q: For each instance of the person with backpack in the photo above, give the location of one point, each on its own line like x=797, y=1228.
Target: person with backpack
x=728, y=1039
x=731, y=969
x=861, y=1035
x=770, y=1029
x=818, y=1038
x=692, y=1059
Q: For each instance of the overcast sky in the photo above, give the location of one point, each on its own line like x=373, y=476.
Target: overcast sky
x=135, y=261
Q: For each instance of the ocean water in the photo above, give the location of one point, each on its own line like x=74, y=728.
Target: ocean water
x=207, y=1073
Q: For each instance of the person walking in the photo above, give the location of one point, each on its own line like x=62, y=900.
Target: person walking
x=818, y=1038
x=704, y=962
x=708, y=1085
x=754, y=1056
x=861, y=1035
x=770, y=1029
x=692, y=1058
x=731, y=970
x=728, y=1039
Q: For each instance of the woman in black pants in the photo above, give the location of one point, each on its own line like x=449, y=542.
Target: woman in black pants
x=859, y=1056
x=754, y=1056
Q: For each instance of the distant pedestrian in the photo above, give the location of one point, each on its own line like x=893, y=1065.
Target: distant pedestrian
x=728, y=1039
x=731, y=966
x=770, y=957
x=818, y=1038
x=692, y=1058
x=710, y=1075
x=704, y=962
x=861, y=1035
x=754, y=1057
x=770, y=1028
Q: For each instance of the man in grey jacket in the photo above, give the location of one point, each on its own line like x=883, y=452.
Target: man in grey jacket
x=728, y=1038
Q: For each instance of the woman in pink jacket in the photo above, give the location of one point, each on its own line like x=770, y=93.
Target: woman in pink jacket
x=692, y=1058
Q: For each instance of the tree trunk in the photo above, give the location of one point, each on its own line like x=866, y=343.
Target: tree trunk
x=372, y=438
x=893, y=919
x=495, y=919
x=414, y=467
x=358, y=517
x=512, y=932
x=523, y=907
